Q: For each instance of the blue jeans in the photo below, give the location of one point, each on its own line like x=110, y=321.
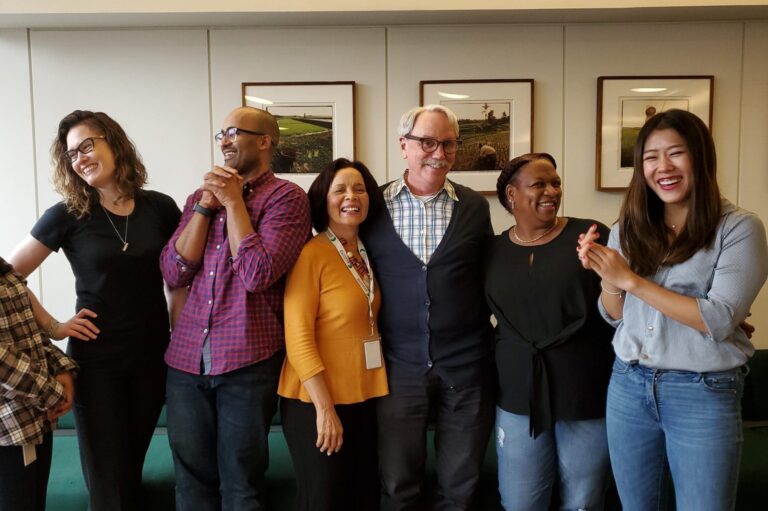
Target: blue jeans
x=690, y=422
x=575, y=451
x=217, y=428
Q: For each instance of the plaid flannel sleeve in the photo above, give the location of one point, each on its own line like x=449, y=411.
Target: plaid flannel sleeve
x=21, y=379
x=58, y=361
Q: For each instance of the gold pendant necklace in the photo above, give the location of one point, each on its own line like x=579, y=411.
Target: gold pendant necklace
x=123, y=239
x=537, y=238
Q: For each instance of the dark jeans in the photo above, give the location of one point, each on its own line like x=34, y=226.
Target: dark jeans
x=463, y=420
x=23, y=488
x=345, y=481
x=217, y=428
x=116, y=410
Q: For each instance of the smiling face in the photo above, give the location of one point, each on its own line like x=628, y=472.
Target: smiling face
x=536, y=193
x=249, y=152
x=347, y=201
x=97, y=168
x=427, y=171
x=667, y=166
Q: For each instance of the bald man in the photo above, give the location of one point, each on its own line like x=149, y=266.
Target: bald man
x=240, y=233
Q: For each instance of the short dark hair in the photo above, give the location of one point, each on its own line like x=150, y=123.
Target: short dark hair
x=509, y=172
x=318, y=191
x=644, y=236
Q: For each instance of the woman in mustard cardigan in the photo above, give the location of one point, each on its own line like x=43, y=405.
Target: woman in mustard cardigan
x=334, y=368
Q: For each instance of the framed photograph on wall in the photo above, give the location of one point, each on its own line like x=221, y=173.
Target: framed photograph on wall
x=624, y=103
x=495, y=125
x=316, y=121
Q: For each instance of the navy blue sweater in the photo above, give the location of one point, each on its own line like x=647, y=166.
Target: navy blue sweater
x=434, y=316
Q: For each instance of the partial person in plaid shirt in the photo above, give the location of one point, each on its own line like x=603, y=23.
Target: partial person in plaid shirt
x=36, y=388
x=427, y=249
x=240, y=233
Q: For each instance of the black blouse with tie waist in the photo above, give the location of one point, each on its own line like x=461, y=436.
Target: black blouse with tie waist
x=553, y=350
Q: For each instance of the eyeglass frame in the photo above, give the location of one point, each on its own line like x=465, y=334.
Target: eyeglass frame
x=72, y=154
x=218, y=137
x=438, y=143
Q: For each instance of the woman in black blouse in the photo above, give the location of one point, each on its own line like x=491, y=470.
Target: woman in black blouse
x=553, y=350
x=111, y=231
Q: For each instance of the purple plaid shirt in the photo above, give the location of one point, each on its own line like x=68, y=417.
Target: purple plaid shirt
x=237, y=301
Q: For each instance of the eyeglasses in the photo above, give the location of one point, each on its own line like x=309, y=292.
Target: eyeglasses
x=430, y=145
x=232, y=132
x=85, y=147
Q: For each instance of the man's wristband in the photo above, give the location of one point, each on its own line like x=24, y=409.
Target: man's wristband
x=209, y=213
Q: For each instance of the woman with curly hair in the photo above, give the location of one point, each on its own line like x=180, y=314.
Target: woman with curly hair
x=112, y=232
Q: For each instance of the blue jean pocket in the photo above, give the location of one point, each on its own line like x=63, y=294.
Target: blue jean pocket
x=724, y=381
x=621, y=367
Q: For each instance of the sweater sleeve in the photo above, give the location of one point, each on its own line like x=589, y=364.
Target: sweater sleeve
x=302, y=298
x=735, y=284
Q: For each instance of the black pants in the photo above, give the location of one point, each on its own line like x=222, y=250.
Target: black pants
x=116, y=410
x=344, y=481
x=463, y=420
x=23, y=488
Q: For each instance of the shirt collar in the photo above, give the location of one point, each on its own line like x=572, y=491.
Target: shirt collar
x=398, y=186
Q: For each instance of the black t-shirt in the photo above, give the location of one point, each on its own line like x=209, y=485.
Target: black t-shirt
x=548, y=322
x=125, y=288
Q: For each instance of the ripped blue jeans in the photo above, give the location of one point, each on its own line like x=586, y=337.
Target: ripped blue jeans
x=575, y=453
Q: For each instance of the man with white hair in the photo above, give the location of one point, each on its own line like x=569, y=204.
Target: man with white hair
x=427, y=250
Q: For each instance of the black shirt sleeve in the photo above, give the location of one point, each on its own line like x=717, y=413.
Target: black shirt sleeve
x=53, y=227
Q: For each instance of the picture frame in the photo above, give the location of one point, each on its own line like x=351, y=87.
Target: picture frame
x=624, y=103
x=316, y=120
x=495, y=124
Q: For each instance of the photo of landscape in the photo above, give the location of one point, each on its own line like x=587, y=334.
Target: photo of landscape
x=634, y=112
x=485, y=129
x=306, y=137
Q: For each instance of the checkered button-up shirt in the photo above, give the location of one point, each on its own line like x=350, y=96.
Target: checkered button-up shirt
x=28, y=364
x=421, y=224
x=237, y=302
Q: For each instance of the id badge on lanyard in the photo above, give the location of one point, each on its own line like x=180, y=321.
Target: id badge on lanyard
x=372, y=343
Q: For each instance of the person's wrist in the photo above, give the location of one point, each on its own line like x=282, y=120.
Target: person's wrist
x=51, y=328
x=206, y=212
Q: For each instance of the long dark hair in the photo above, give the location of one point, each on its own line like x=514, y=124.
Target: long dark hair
x=130, y=174
x=645, y=238
x=318, y=191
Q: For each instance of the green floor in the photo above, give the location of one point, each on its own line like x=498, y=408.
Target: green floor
x=66, y=489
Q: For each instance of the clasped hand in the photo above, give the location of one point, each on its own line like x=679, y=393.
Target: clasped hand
x=608, y=263
x=67, y=400
x=222, y=186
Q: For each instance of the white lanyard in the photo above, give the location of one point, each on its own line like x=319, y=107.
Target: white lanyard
x=367, y=290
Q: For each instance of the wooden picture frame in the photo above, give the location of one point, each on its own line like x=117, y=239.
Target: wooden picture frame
x=495, y=124
x=316, y=120
x=624, y=103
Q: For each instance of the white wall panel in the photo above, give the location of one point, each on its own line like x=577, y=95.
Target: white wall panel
x=18, y=201
x=301, y=55
x=753, y=163
x=153, y=82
